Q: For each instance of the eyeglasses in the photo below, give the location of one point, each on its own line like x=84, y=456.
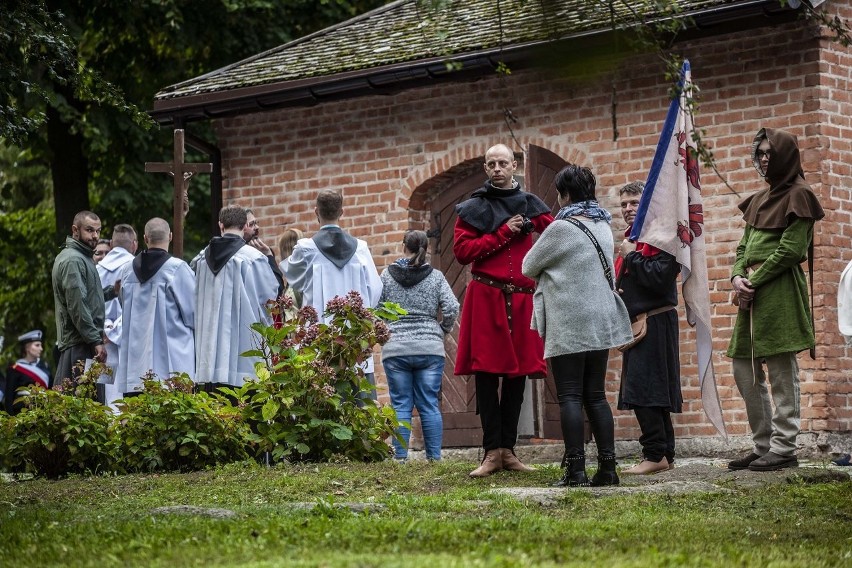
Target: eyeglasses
x=494, y=163
x=760, y=154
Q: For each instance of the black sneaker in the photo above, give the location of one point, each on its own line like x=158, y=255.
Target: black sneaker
x=773, y=462
x=743, y=463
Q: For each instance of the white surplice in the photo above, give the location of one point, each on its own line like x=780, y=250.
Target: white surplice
x=227, y=304
x=109, y=270
x=158, y=324
x=844, y=304
x=308, y=271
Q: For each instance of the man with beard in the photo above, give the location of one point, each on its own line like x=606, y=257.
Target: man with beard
x=78, y=297
x=493, y=232
x=774, y=319
x=251, y=234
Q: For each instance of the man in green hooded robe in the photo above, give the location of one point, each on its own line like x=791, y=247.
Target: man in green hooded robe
x=774, y=320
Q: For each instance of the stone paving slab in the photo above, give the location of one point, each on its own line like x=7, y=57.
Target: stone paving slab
x=690, y=475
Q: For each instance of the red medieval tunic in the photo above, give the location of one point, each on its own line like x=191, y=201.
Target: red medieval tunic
x=486, y=341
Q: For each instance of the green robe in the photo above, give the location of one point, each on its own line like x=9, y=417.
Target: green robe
x=781, y=311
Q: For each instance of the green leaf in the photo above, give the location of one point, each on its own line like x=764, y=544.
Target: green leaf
x=270, y=409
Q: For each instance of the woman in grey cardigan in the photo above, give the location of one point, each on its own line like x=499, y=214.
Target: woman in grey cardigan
x=414, y=357
x=580, y=318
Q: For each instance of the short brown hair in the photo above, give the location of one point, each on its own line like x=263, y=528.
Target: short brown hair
x=123, y=236
x=233, y=217
x=329, y=205
x=632, y=188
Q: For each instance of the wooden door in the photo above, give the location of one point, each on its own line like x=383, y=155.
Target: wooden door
x=461, y=424
x=458, y=405
x=540, y=172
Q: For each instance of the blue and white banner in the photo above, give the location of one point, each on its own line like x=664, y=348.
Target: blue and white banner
x=671, y=218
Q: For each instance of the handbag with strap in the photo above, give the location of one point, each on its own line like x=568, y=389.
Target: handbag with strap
x=639, y=326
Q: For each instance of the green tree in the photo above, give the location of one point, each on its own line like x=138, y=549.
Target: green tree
x=76, y=73
x=75, y=79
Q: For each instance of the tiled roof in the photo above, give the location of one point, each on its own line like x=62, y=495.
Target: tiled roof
x=403, y=32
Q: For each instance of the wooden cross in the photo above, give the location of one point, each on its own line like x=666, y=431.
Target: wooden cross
x=181, y=172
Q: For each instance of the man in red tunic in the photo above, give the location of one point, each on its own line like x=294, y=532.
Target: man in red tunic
x=493, y=232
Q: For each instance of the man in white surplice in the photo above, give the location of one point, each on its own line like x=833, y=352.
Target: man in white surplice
x=124, y=245
x=233, y=283
x=158, y=297
x=333, y=263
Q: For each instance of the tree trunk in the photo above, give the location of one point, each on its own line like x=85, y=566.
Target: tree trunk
x=69, y=170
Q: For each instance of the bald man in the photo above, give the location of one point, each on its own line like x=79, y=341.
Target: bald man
x=492, y=234
x=158, y=297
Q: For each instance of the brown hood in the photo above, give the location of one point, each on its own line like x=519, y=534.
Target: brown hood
x=788, y=195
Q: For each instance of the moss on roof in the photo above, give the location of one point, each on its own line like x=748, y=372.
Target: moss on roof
x=405, y=31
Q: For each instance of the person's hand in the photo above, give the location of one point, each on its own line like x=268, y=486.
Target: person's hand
x=743, y=288
x=100, y=354
x=515, y=223
x=626, y=247
x=261, y=246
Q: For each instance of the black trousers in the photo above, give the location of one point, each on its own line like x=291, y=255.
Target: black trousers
x=68, y=358
x=580, y=379
x=657, y=439
x=499, y=414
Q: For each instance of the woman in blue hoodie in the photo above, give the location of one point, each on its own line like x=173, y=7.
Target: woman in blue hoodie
x=414, y=357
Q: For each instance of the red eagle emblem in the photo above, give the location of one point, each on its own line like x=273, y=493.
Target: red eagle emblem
x=689, y=161
x=692, y=228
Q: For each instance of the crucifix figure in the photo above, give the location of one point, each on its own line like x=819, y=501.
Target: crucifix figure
x=181, y=172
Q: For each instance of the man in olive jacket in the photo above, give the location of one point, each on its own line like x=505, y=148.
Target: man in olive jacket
x=78, y=297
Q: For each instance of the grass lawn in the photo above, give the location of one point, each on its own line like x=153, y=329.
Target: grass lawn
x=424, y=515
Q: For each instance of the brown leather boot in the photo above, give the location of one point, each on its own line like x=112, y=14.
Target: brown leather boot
x=491, y=463
x=647, y=467
x=511, y=461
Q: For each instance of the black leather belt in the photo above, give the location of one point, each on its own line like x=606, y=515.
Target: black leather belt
x=508, y=289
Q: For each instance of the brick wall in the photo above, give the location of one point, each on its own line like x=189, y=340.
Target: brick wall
x=831, y=405
x=390, y=153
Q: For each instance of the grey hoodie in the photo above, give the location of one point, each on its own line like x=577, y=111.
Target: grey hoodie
x=422, y=292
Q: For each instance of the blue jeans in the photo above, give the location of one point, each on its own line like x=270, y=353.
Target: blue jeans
x=415, y=381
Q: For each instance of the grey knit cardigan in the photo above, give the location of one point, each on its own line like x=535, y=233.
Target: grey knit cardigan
x=419, y=332
x=574, y=308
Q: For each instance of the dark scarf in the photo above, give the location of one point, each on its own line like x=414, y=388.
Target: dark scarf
x=788, y=195
x=489, y=207
x=149, y=262
x=336, y=245
x=589, y=209
x=221, y=249
x=407, y=275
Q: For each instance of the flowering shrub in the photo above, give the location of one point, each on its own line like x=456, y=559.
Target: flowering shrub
x=57, y=434
x=167, y=427
x=307, y=403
